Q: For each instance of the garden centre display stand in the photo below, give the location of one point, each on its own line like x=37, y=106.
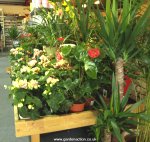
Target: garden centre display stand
x=52, y=123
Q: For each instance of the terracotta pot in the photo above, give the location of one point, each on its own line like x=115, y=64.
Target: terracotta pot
x=77, y=107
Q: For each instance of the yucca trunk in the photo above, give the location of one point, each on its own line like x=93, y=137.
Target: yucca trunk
x=119, y=68
x=107, y=135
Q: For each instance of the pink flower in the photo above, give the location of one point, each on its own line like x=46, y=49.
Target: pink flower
x=94, y=52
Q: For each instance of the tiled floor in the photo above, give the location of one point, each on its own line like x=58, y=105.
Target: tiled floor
x=7, y=129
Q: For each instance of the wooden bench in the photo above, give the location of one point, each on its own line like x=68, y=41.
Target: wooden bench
x=52, y=123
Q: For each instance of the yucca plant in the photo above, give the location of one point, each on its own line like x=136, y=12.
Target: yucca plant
x=120, y=28
x=13, y=32
x=116, y=117
x=82, y=14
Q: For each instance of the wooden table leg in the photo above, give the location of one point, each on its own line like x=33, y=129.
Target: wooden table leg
x=35, y=138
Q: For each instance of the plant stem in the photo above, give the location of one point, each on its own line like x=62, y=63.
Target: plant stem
x=107, y=135
x=120, y=76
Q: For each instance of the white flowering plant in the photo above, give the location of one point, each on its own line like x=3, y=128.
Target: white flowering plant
x=50, y=81
x=36, y=89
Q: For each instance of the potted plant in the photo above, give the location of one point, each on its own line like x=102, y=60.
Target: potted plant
x=116, y=117
x=82, y=72
x=13, y=34
x=119, y=30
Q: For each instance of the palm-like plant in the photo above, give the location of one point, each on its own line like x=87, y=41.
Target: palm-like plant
x=13, y=32
x=119, y=31
x=114, y=118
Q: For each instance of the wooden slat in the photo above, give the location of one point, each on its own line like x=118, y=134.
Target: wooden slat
x=54, y=123
x=35, y=138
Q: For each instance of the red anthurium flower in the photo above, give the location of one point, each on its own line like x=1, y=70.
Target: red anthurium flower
x=60, y=39
x=94, y=52
x=128, y=82
x=58, y=56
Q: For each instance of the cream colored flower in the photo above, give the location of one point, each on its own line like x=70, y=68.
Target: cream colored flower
x=51, y=80
x=37, y=52
x=45, y=92
x=84, y=5
x=33, y=84
x=30, y=107
x=23, y=84
x=20, y=105
x=32, y=63
x=60, y=63
x=15, y=84
x=97, y=2
x=20, y=83
x=14, y=51
x=45, y=64
x=35, y=70
x=25, y=69
x=43, y=58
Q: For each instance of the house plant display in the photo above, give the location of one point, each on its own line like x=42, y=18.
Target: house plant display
x=70, y=56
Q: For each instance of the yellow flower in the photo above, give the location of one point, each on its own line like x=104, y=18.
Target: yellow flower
x=67, y=9
x=64, y=3
x=71, y=14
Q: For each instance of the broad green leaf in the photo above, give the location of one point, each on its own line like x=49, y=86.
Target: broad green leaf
x=91, y=69
x=66, y=50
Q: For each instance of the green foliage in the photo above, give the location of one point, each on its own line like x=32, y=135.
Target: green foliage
x=115, y=117
x=82, y=14
x=13, y=32
x=91, y=69
x=119, y=29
